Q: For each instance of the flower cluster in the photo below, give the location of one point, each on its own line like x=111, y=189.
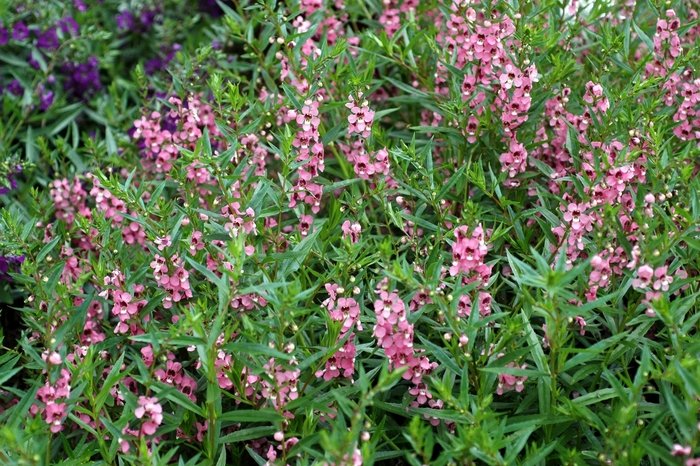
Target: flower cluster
x=395, y=334
x=508, y=382
x=468, y=253
x=127, y=306
x=361, y=117
x=170, y=273
x=347, y=311
x=82, y=79
x=667, y=43
x=367, y=164
x=235, y=233
x=481, y=45
x=53, y=397
x=279, y=386
x=69, y=199
x=174, y=375
x=594, y=96
x=150, y=413
x=239, y=221
x=310, y=153
x=160, y=134
x=352, y=231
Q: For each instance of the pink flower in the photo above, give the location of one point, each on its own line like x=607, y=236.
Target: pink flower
x=55, y=413
x=147, y=354
x=308, y=118
x=305, y=223
x=511, y=77
x=575, y=215
x=515, y=160
x=351, y=230
x=644, y=276
x=163, y=242
x=201, y=430
x=196, y=243
x=329, y=303
x=151, y=410
x=55, y=358
x=662, y=279
x=239, y=221
x=188, y=386
x=679, y=450
x=171, y=375
x=509, y=382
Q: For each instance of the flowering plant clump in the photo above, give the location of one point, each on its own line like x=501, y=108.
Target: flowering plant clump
x=326, y=232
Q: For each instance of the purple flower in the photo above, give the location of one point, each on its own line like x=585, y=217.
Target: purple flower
x=8, y=264
x=158, y=64
x=48, y=40
x=125, y=20
x=4, y=36
x=20, y=31
x=153, y=65
x=148, y=17
x=45, y=97
x=79, y=5
x=82, y=79
x=46, y=101
x=15, y=87
x=69, y=26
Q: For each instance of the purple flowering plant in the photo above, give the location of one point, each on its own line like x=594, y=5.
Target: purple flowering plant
x=346, y=232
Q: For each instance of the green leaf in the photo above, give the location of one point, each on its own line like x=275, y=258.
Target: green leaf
x=176, y=397
x=299, y=253
x=47, y=249
x=454, y=177
x=442, y=356
x=29, y=147
x=513, y=371
x=252, y=415
x=255, y=349
x=248, y=434
x=113, y=378
x=642, y=35
x=405, y=87
x=596, y=396
x=67, y=120
x=13, y=60
x=593, y=352
x=291, y=95
x=339, y=184
x=7, y=370
x=111, y=144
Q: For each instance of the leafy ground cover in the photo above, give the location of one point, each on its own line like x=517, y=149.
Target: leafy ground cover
x=349, y=232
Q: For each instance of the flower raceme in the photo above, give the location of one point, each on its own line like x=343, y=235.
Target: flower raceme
x=347, y=312
x=395, y=335
x=361, y=117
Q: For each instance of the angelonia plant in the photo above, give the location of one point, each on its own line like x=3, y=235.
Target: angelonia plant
x=441, y=232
